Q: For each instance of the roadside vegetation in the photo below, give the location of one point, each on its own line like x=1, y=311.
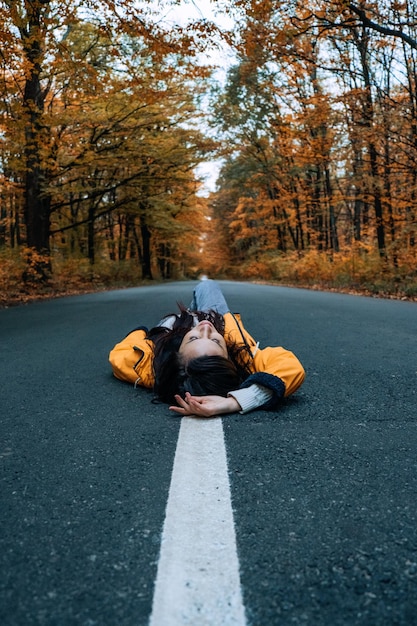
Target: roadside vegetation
x=360, y=276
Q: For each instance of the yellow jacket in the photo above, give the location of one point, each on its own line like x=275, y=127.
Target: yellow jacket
x=273, y=367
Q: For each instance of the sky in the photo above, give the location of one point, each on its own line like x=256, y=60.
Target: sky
x=184, y=12
x=197, y=9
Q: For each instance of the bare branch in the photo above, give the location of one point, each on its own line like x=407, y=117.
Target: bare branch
x=384, y=30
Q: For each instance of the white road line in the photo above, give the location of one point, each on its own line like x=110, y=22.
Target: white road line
x=198, y=580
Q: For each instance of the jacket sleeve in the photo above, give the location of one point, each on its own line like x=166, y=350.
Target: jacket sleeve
x=277, y=369
x=132, y=359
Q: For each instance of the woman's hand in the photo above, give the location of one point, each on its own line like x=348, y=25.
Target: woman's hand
x=205, y=406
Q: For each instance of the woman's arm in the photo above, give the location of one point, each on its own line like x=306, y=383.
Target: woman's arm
x=242, y=400
x=278, y=374
x=273, y=368
x=252, y=397
x=277, y=369
x=131, y=359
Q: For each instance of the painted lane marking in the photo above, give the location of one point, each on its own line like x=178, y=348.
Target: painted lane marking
x=198, y=571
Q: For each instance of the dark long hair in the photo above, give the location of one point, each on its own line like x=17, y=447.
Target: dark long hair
x=205, y=375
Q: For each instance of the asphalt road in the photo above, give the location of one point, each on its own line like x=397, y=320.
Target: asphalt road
x=324, y=490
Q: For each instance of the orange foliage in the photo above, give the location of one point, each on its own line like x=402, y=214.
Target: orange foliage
x=321, y=158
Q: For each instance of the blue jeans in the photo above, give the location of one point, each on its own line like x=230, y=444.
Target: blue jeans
x=207, y=296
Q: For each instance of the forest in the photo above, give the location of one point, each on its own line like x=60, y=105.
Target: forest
x=109, y=108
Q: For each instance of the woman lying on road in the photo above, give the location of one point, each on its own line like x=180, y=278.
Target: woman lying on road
x=204, y=363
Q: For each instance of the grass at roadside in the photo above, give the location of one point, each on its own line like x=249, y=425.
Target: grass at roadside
x=356, y=273
x=70, y=277
x=361, y=274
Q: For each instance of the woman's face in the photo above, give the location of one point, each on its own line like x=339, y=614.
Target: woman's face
x=203, y=340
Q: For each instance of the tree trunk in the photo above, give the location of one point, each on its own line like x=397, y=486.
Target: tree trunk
x=334, y=239
x=146, y=249
x=90, y=235
x=37, y=203
x=362, y=44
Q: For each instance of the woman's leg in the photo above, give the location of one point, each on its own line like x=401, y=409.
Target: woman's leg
x=208, y=296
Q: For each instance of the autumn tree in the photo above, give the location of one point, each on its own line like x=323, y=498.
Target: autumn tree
x=322, y=100
x=380, y=33
x=88, y=94
x=280, y=117
x=130, y=154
